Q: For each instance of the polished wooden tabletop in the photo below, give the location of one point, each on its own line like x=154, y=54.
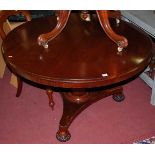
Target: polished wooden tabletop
x=81, y=56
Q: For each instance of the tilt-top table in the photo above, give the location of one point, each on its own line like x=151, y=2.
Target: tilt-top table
x=82, y=62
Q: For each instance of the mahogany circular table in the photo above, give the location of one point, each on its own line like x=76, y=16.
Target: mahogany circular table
x=82, y=63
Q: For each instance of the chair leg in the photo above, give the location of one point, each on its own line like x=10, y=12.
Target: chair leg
x=19, y=87
x=153, y=93
x=152, y=64
x=49, y=93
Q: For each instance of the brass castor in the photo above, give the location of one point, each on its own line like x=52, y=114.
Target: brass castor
x=118, y=97
x=63, y=136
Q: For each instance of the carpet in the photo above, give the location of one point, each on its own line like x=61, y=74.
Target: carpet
x=29, y=120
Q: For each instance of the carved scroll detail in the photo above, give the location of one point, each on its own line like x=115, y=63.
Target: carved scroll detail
x=62, y=19
x=121, y=41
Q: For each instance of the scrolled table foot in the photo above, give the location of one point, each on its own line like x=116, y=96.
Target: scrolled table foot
x=118, y=97
x=63, y=134
x=62, y=18
x=119, y=49
x=121, y=41
x=45, y=45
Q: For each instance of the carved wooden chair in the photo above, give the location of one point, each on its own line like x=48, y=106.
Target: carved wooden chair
x=4, y=14
x=144, y=19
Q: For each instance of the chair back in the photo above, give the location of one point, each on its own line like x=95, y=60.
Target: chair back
x=4, y=14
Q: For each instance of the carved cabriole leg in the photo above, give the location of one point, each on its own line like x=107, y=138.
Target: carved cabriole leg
x=74, y=103
x=121, y=41
x=19, y=87
x=49, y=93
x=62, y=18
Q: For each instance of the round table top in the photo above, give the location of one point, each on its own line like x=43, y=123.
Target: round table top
x=81, y=56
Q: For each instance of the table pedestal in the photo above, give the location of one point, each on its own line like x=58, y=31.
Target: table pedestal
x=76, y=101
